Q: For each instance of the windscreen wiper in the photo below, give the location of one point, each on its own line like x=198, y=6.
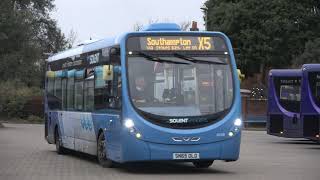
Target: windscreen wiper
x=157, y=59
x=194, y=60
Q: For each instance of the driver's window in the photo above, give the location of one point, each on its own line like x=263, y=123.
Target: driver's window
x=114, y=91
x=100, y=90
x=107, y=93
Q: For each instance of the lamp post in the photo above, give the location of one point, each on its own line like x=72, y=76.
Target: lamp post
x=205, y=10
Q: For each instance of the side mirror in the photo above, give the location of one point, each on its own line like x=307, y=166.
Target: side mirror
x=240, y=75
x=114, y=51
x=108, y=72
x=114, y=55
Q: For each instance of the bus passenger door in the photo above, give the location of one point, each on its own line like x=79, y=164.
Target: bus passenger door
x=85, y=137
x=114, y=104
x=113, y=136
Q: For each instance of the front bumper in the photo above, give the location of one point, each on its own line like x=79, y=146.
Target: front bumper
x=289, y=133
x=138, y=150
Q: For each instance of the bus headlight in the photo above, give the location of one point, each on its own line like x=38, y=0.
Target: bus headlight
x=128, y=123
x=138, y=135
x=238, y=122
x=236, y=128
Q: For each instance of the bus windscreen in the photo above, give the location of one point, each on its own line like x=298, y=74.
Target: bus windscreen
x=314, y=83
x=290, y=93
x=288, y=90
x=184, y=82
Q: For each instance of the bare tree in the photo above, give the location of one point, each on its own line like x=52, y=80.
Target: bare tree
x=137, y=26
x=151, y=21
x=185, y=25
x=72, y=38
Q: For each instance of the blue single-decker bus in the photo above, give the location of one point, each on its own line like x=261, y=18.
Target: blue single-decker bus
x=155, y=95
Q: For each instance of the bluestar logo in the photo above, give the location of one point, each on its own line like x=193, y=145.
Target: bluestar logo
x=86, y=123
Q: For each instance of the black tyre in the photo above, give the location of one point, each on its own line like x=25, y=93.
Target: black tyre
x=59, y=148
x=202, y=164
x=101, y=153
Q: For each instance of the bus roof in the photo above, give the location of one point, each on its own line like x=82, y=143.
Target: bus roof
x=103, y=43
x=285, y=72
x=92, y=46
x=311, y=67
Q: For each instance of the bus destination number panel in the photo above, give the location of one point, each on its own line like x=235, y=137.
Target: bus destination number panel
x=176, y=43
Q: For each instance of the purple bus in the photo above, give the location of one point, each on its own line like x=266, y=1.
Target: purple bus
x=310, y=106
x=284, y=103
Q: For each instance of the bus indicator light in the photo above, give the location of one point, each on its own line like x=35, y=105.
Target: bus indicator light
x=231, y=134
x=138, y=135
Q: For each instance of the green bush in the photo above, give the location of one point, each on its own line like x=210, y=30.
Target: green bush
x=35, y=119
x=13, y=97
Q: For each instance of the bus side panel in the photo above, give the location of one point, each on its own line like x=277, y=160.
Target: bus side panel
x=49, y=136
x=133, y=149
x=52, y=123
x=110, y=125
x=84, y=132
x=230, y=149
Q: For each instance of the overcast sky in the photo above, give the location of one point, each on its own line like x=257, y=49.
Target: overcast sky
x=105, y=18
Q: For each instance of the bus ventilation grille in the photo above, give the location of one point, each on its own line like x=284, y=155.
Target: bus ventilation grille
x=276, y=123
x=311, y=125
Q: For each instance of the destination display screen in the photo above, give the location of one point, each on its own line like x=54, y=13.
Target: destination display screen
x=176, y=43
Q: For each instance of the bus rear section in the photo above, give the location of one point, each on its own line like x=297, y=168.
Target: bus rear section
x=284, y=103
x=310, y=111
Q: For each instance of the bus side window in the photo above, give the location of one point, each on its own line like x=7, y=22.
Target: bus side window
x=70, y=90
x=89, y=91
x=57, y=88
x=100, y=90
x=52, y=100
x=78, y=91
x=64, y=93
x=115, y=92
x=50, y=85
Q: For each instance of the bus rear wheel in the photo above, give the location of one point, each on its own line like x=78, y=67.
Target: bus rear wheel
x=202, y=164
x=101, y=153
x=59, y=148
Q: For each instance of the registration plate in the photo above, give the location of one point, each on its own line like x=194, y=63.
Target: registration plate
x=186, y=155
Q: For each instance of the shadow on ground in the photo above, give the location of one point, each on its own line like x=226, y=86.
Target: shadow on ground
x=162, y=167
x=78, y=155
x=298, y=142
x=167, y=168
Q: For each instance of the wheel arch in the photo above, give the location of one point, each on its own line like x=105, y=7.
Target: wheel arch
x=56, y=130
x=99, y=132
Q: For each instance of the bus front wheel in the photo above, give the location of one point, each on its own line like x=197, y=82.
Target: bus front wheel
x=202, y=164
x=101, y=153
